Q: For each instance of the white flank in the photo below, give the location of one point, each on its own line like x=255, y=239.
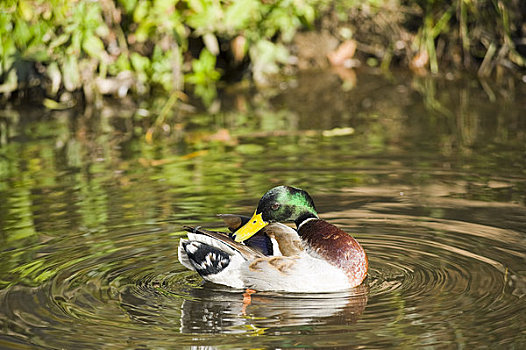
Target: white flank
x=303, y=273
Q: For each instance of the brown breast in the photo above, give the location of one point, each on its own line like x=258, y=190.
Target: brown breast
x=337, y=247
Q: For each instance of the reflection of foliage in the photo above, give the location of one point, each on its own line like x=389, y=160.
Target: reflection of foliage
x=81, y=176
x=204, y=76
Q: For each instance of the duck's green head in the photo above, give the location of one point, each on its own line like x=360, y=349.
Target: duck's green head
x=282, y=203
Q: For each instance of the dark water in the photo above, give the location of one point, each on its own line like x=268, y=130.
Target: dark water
x=431, y=179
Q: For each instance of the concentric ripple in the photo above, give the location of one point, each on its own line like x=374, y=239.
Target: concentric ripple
x=438, y=275
x=433, y=281
x=420, y=266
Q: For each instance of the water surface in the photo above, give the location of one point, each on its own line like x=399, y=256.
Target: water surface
x=428, y=175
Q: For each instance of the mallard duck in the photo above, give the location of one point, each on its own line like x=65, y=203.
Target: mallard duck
x=316, y=257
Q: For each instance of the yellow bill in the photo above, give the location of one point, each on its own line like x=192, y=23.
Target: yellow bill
x=249, y=229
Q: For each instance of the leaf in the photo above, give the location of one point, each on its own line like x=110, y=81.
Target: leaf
x=121, y=64
x=129, y=5
x=26, y=10
x=54, y=105
x=75, y=45
x=204, y=71
x=21, y=33
x=10, y=83
x=309, y=13
x=37, y=53
x=139, y=63
x=211, y=43
x=70, y=73
x=265, y=55
x=94, y=47
x=204, y=15
x=58, y=41
x=141, y=11
x=143, y=31
x=53, y=72
x=239, y=13
x=207, y=61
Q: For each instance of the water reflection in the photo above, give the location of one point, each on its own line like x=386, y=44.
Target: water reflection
x=213, y=310
x=429, y=176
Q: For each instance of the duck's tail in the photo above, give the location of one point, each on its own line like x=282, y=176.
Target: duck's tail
x=215, y=256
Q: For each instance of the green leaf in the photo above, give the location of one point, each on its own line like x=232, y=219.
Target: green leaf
x=129, y=5
x=204, y=15
x=53, y=72
x=26, y=10
x=70, y=73
x=203, y=69
x=240, y=12
x=309, y=14
x=21, y=33
x=59, y=41
x=143, y=31
x=211, y=43
x=93, y=46
x=121, y=64
x=139, y=63
x=266, y=55
x=10, y=83
x=141, y=11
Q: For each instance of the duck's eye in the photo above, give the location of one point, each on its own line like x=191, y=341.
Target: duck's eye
x=274, y=206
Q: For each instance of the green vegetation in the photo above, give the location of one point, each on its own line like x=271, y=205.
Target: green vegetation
x=111, y=47
x=114, y=47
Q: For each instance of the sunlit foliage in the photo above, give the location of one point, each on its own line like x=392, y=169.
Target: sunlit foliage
x=117, y=47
